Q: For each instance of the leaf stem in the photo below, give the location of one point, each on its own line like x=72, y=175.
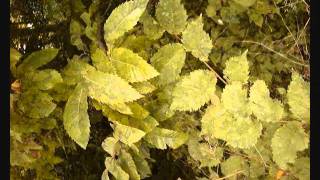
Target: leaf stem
x=219, y=77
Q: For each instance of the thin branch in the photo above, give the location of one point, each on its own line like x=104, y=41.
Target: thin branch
x=276, y=52
x=296, y=42
x=219, y=77
x=230, y=175
x=264, y=163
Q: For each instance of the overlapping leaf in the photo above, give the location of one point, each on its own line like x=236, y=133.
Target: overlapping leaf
x=151, y=27
x=171, y=15
x=161, y=138
x=122, y=19
x=131, y=66
x=299, y=97
x=193, y=91
x=262, y=106
x=109, y=88
x=196, y=40
x=126, y=134
x=36, y=60
x=169, y=61
x=36, y=104
x=286, y=142
x=237, y=68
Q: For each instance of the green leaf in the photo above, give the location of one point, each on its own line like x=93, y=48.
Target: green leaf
x=14, y=58
x=36, y=60
x=75, y=117
x=161, y=138
x=102, y=62
x=126, y=134
x=171, y=15
x=193, y=91
x=36, y=104
x=141, y=164
x=237, y=68
x=301, y=168
x=116, y=171
x=196, y=40
x=144, y=87
x=233, y=165
x=111, y=146
x=169, y=61
x=298, y=95
x=286, y=142
x=131, y=66
x=262, y=106
x=76, y=30
x=208, y=156
x=151, y=27
x=109, y=88
x=75, y=70
x=127, y=164
x=42, y=80
x=234, y=98
x=122, y=19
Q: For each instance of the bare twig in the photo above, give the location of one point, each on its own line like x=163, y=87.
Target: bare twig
x=219, y=77
x=276, y=52
x=230, y=175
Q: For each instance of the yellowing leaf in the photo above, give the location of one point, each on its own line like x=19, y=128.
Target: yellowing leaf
x=193, y=91
x=234, y=98
x=36, y=60
x=286, y=142
x=36, y=104
x=151, y=27
x=299, y=97
x=262, y=106
x=171, y=15
x=111, y=146
x=122, y=19
x=75, y=117
x=116, y=171
x=131, y=66
x=101, y=61
x=239, y=133
x=160, y=138
x=169, y=61
x=237, y=68
x=109, y=88
x=196, y=40
x=144, y=87
x=126, y=134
